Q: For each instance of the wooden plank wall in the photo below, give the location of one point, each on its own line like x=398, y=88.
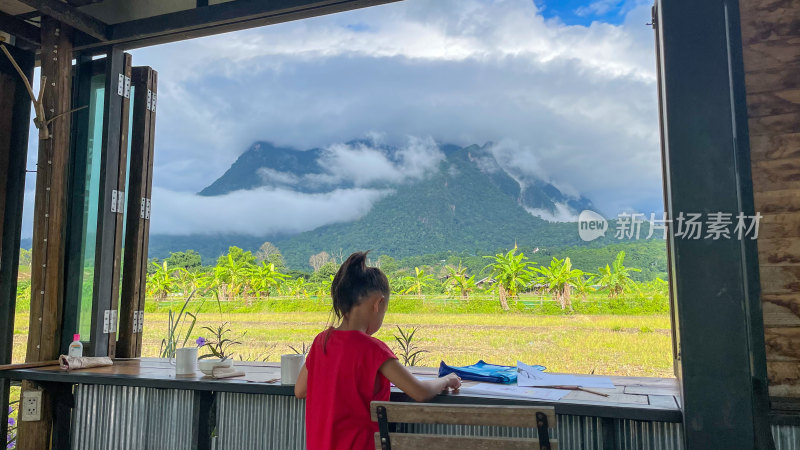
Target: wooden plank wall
x=771, y=50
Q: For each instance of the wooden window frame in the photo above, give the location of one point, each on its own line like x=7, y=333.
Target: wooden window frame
x=13, y=159
x=137, y=230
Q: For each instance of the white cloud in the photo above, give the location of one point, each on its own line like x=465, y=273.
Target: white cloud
x=563, y=213
x=360, y=164
x=258, y=212
x=597, y=8
x=518, y=160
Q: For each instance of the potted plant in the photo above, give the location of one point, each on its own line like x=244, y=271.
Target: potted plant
x=218, y=347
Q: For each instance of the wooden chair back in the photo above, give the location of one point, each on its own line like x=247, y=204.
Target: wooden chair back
x=539, y=417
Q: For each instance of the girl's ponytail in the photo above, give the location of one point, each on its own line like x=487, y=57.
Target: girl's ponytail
x=354, y=281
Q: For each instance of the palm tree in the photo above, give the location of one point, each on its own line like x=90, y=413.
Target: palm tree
x=512, y=272
x=458, y=280
x=265, y=278
x=617, y=277
x=559, y=278
x=160, y=283
x=419, y=281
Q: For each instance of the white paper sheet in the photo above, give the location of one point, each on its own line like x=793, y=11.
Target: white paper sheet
x=528, y=376
x=510, y=390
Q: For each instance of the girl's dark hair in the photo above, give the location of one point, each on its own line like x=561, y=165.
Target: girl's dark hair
x=354, y=281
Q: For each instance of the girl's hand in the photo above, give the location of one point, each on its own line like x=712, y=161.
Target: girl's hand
x=453, y=381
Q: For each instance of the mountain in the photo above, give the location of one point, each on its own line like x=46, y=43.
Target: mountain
x=267, y=165
x=467, y=200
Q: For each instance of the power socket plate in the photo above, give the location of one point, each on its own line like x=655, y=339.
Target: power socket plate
x=30, y=408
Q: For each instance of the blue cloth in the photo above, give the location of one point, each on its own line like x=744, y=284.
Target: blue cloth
x=483, y=371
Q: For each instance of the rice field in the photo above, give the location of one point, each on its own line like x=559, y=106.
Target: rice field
x=600, y=344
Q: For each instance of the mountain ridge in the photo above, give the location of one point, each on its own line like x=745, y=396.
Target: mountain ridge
x=444, y=198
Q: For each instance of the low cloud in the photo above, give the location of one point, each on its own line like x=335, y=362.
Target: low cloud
x=363, y=165
x=258, y=212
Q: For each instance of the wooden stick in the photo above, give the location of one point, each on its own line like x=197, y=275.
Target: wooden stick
x=38, y=106
x=68, y=112
x=576, y=388
x=29, y=365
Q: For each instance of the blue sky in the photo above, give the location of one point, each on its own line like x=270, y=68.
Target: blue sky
x=582, y=12
x=568, y=87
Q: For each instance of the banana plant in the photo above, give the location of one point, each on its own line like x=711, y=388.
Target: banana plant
x=458, y=280
x=160, y=283
x=559, y=278
x=512, y=272
x=418, y=282
x=265, y=278
x=617, y=278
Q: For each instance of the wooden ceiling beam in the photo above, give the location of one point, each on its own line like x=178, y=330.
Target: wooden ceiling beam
x=20, y=28
x=68, y=15
x=219, y=18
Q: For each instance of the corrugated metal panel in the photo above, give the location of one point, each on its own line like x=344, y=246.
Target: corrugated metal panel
x=268, y=422
x=787, y=437
x=130, y=418
x=277, y=422
x=635, y=434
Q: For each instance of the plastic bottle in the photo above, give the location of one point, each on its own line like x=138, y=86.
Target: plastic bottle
x=76, y=347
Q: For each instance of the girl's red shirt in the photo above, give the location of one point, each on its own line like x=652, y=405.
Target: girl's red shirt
x=343, y=378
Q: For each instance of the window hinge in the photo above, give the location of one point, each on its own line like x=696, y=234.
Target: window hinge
x=153, y=102
x=127, y=87
x=135, y=321
x=147, y=210
x=141, y=322
x=142, y=207
x=149, y=99
x=117, y=201
x=110, y=321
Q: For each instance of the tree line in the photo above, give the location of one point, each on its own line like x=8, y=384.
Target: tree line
x=242, y=274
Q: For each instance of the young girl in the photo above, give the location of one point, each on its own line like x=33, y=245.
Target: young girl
x=347, y=368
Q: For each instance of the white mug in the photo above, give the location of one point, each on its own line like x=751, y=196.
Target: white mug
x=186, y=361
x=290, y=368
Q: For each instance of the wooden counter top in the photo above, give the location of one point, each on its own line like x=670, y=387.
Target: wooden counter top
x=637, y=398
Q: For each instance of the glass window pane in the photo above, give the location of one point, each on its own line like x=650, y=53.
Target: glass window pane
x=90, y=207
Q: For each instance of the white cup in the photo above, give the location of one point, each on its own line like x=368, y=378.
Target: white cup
x=186, y=361
x=290, y=368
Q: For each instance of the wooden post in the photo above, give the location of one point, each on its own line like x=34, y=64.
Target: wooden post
x=47, y=274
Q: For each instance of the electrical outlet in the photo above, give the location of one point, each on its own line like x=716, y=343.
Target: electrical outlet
x=30, y=406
